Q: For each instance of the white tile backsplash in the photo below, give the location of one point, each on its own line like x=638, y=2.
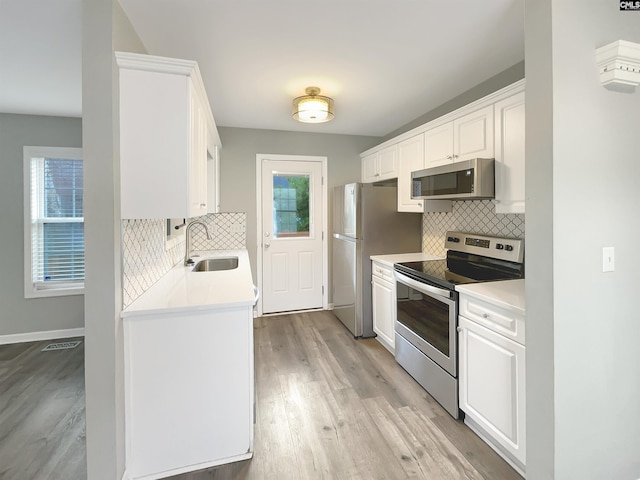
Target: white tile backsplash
x=146, y=257
x=477, y=216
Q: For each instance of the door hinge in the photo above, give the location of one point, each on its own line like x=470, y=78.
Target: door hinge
x=321, y=180
x=322, y=235
x=322, y=289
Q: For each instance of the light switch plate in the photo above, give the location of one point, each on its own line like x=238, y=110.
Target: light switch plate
x=608, y=259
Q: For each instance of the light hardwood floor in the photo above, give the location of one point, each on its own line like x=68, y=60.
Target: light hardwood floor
x=328, y=407
x=332, y=407
x=42, y=412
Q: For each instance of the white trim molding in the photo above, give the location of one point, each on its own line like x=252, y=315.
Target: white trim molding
x=39, y=336
x=619, y=66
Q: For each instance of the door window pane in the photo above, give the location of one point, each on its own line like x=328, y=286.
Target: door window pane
x=290, y=206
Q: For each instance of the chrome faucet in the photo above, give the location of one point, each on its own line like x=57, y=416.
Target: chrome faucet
x=187, y=233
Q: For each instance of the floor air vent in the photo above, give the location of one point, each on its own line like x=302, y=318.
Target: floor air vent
x=61, y=346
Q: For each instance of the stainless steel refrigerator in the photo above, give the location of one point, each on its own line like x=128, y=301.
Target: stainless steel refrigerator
x=365, y=223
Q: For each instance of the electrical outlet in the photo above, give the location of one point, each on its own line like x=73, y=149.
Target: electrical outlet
x=236, y=228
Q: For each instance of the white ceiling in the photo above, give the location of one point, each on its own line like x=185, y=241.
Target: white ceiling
x=385, y=62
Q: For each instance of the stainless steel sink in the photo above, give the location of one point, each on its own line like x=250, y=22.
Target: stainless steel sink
x=216, y=264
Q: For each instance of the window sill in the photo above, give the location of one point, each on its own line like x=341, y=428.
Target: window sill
x=54, y=292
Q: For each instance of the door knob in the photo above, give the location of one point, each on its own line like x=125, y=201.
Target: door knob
x=267, y=245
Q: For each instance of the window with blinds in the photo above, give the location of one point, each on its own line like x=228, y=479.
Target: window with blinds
x=54, y=221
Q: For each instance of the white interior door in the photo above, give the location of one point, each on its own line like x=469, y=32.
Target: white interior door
x=292, y=237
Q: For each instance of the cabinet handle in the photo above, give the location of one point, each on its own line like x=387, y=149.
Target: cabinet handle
x=203, y=205
x=420, y=204
x=455, y=156
x=449, y=157
x=459, y=329
x=486, y=315
x=377, y=175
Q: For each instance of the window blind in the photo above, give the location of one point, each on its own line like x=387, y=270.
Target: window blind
x=57, y=222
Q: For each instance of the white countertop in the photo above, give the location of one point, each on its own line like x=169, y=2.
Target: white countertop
x=392, y=258
x=509, y=294
x=181, y=289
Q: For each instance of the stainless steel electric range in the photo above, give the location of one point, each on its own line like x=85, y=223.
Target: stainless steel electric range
x=427, y=306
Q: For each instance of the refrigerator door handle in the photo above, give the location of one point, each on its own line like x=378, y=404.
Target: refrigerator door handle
x=344, y=237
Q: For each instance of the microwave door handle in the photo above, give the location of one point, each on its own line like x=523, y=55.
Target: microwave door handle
x=423, y=287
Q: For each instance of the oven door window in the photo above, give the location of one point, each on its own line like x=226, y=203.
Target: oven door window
x=428, y=322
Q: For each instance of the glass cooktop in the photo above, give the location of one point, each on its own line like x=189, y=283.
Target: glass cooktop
x=460, y=268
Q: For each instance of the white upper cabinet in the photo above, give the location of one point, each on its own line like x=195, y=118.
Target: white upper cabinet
x=491, y=127
x=470, y=136
x=438, y=143
x=166, y=135
x=381, y=165
x=410, y=158
x=510, y=154
x=213, y=184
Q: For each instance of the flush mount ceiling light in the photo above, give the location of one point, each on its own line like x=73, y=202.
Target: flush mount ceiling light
x=313, y=108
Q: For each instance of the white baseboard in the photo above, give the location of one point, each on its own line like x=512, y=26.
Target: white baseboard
x=38, y=336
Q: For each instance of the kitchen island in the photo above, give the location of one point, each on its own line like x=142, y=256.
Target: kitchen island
x=189, y=370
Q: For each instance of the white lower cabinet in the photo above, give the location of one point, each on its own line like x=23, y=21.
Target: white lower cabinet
x=189, y=390
x=383, y=297
x=492, y=387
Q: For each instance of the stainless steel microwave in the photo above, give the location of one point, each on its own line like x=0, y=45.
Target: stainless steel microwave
x=465, y=180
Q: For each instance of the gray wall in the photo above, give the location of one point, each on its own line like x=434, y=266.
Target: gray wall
x=105, y=29
x=539, y=248
x=238, y=166
x=20, y=315
x=583, y=358
x=498, y=81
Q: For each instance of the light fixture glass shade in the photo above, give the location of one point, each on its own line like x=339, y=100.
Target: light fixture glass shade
x=313, y=108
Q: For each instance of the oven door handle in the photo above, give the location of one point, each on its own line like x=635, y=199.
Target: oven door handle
x=422, y=287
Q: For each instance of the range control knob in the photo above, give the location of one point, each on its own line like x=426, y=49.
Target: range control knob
x=508, y=248
x=499, y=246
x=453, y=239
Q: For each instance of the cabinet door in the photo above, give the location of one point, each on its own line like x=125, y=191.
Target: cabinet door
x=473, y=135
x=388, y=163
x=492, y=385
x=198, y=160
x=438, y=146
x=154, y=144
x=384, y=304
x=370, y=168
x=213, y=183
x=510, y=154
x=410, y=158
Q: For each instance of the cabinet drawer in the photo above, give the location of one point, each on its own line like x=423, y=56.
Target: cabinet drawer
x=382, y=271
x=500, y=320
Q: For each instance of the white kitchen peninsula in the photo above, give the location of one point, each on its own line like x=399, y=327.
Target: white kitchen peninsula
x=189, y=372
